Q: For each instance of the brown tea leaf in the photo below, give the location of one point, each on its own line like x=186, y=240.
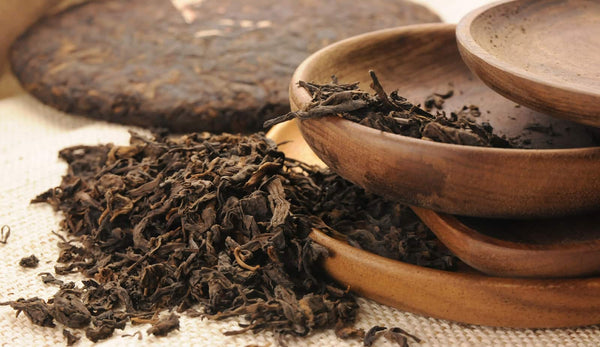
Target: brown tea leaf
x=96, y=334
x=35, y=309
x=71, y=339
x=348, y=332
x=400, y=336
x=48, y=278
x=30, y=262
x=69, y=310
x=4, y=234
x=393, y=113
x=165, y=325
x=372, y=335
x=218, y=221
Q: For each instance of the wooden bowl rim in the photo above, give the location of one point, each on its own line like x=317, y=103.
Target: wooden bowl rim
x=341, y=247
x=498, y=257
x=457, y=227
x=485, y=57
x=300, y=97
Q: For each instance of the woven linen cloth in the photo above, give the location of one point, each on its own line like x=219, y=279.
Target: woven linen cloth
x=31, y=135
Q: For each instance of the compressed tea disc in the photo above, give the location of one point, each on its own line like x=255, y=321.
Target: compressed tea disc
x=188, y=65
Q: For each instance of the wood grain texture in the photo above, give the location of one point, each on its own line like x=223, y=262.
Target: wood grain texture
x=542, y=54
x=485, y=182
x=557, y=247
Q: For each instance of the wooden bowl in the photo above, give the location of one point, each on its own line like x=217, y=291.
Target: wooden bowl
x=540, y=248
x=463, y=180
x=463, y=296
x=542, y=54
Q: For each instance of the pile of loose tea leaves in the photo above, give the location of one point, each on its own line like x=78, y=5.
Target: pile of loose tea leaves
x=393, y=113
x=219, y=222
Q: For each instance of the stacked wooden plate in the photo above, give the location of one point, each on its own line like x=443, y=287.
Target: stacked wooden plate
x=529, y=224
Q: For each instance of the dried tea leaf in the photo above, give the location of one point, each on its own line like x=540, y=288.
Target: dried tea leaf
x=69, y=310
x=4, y=234
x=137, y=333
x=30, y=262
x=218, y=221
x=165, y=325
x=96, y=334
x=349, y=332
x=71, y=339
x=448, y=134
x=400, y=336
x=393, y=113
x=372, y=335
x=437, y=100
x=37, y=310
x=48, y=278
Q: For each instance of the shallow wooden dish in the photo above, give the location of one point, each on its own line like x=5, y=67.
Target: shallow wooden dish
x=464, y=296
x=464, y=180
x=542, y=54
x=540, y=248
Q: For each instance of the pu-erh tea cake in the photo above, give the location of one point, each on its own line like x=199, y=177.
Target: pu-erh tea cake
x=213, y=65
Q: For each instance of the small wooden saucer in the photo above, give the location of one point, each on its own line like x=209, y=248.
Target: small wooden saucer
x=542, y=54
x=464, y=296
x=540, y=248
x=557, y=174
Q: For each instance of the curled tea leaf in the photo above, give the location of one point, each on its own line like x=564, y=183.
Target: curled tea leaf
x=30, y=262
x=372, y=335
x=71, y=338
x=37, y=310
x=165, y=325
x=219, y=221
x=4, y=234
x=69, y=310
x=393, y=113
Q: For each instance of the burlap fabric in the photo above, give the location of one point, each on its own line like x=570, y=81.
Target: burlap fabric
x=30, y=137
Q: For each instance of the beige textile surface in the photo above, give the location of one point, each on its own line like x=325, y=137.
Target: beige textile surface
x=30, y=137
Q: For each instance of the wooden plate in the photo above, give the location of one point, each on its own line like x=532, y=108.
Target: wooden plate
x=553, y=247
x=542, y=54
x=465, y=296
x=560, y=178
